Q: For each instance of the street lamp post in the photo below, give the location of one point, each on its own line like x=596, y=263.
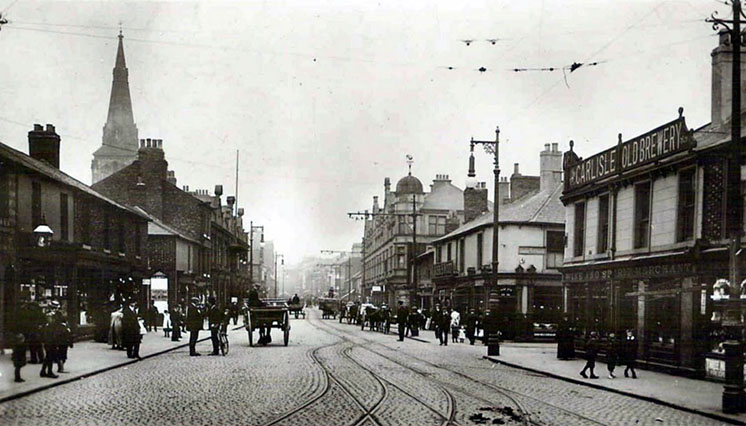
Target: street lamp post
x=493, y=147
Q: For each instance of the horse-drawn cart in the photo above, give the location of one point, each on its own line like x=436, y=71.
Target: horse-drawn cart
x=272, y=314
x=329, y=307
x=297, y=309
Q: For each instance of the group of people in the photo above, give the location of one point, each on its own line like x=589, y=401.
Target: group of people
x=618, y=352
x=444, y=320
x=41, y=330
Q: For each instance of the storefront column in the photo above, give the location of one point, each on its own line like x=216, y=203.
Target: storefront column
x=686, y=355
x=73, y=318
x=641, y=338
x=524, y=299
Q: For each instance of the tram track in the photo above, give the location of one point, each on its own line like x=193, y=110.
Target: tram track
x=510, y=394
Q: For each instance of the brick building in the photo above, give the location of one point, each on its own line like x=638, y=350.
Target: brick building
x=208, y=250
x=97, y=252
x=530, y=253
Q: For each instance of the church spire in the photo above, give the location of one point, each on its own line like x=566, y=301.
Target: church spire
x=120, y=140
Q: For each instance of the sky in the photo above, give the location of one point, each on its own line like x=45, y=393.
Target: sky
x=324, y=99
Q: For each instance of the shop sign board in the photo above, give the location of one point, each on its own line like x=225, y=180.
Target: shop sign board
x=631, y=272
x=662, y=142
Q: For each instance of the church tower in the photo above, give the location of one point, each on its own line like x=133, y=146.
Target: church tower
x=119, y=147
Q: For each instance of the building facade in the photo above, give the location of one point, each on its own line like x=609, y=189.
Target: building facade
x=531, y=239
x=215, y=262
x=96, y=258
x=388, y=244
x=646, y=234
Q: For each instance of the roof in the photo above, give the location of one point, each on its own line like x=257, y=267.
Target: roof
x=409, y=185
x=444, y=196
x=58, y=175
x=539, y=208
x=158, y=227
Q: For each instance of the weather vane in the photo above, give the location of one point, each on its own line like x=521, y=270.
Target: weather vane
x=410, y=160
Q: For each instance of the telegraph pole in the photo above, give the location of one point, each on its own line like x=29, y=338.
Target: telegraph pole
x=733, y=394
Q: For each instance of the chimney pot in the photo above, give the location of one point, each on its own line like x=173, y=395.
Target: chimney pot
x=555, y=147
x=218, y=190
x=50, y=128
x=546, y=147
x=230, y=200
x=515, y=169
x=240, y=212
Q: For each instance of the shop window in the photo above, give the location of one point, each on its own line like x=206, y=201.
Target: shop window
x=401, y=257
x=685, y=217
x=603, y=223
x=642, y=214
x=662, y=326
x=547, y=305
x=35, y=204
x=555, y=249
x=64, y=218
x=579, y=243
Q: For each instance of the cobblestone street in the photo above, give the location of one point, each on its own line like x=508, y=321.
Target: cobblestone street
x=331, y=373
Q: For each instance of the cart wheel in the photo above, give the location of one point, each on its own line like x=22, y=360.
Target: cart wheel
x=287, y=336
x=225, y=346
x=251, y=333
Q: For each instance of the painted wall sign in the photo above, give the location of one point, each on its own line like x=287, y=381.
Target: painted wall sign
x=659, y=143
x=631, y=272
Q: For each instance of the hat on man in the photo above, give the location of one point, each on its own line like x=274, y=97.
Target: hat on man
x=54, y=304
x=195, y=299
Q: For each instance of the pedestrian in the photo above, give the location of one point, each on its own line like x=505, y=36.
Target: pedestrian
x=612, y=354
x=19, y=355
x=65, y=340
x=455, y=325
x=194, y=322
x=177, y=321
x=50, y=341
x=413, y=322
x=471, y=326
x=131, y=330
x=36, y=322
x=630, y=353
x=591, y=350
x=234, y=312
x=152, y=316
x=435, y=322
x=115, y=329
x=166, y=323
x=402, y=314
x=444, y=325
x=565, y=339
x=215, y=319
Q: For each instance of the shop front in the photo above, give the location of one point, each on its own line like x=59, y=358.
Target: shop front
x=664, y=299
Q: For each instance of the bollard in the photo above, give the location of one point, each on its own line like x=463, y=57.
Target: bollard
x=493, y=344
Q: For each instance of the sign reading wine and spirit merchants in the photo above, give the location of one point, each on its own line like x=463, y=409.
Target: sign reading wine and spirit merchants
x=657, y=144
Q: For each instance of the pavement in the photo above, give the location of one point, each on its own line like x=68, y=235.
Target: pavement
x=85, y=359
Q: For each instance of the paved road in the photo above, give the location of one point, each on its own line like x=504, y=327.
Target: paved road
x=331, y=374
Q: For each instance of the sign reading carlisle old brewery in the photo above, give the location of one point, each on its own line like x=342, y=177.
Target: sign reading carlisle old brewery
x=657, y=144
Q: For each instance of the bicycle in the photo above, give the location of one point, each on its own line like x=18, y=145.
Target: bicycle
x=223, y=342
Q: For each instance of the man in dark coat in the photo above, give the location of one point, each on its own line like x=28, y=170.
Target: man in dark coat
x=471, y=325
x=194, y=323
x=50, y=340
x=444, y=324
x=402, y=313
x=215, y=318
x=413, y=322
x=131, y=330
x=33, y=314
x=153, y=316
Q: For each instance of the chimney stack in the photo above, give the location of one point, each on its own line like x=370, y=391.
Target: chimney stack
x=722, y=79
x=44, y=145
x=171, y=177
x=475, y=201
x=550, y=161
x=515, y=169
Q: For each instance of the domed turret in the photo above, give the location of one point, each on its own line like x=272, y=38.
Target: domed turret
x=409, y=185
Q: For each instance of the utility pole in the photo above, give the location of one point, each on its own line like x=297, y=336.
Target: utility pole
x=493, y=147
x=283, y=262
x=733, y=394
x=367, y=215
